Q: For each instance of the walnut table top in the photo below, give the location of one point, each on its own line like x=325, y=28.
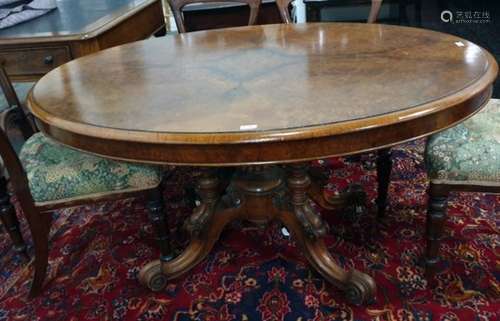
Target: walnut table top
x=264, y=94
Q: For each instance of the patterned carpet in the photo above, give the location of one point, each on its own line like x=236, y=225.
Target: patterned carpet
x=254, y=274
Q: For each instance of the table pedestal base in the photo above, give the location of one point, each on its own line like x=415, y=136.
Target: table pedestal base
x=259, y=194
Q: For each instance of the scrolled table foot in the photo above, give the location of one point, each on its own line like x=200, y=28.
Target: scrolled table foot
x=360, y=288
x=200, y=244
x=204, y=225
x=152, y=277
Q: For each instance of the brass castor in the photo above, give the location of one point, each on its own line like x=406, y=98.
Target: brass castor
x=360, y=288
x=152, y=277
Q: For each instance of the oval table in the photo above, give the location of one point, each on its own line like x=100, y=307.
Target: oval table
x=256, y=98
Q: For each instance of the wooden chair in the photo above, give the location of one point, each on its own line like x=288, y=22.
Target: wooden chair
x=7, y=213
x=284, y=9
x=177, y=5
x=464, y=158
x=48, y=176
x=284, y=5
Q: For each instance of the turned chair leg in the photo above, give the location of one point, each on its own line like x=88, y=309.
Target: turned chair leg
x=159, y=220
x=384, y=166
x=40, y=228
x=9, y=219
x=436, y=216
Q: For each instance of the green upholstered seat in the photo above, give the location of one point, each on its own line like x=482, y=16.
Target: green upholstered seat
x=468, y=153
x=56, y=172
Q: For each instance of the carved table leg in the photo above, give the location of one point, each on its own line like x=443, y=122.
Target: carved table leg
x=257, y=194
x=208, y=189
x=308, y=228
x=298, y=183
x=204, y=227
x=9, y=218
x=198, y=248
x=436, y=216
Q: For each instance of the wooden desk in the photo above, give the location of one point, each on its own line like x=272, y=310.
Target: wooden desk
x=76, y=28
x=255, y=97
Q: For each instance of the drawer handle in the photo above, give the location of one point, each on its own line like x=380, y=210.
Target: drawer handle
x=49, y=60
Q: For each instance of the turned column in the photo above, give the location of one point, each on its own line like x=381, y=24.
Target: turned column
x=9, y=218
x=436, y=217
x=159, y=220
x=298, y=182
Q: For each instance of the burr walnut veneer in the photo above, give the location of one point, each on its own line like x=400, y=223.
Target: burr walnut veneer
x=257, y=97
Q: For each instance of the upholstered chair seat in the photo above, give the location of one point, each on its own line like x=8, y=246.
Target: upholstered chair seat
x=468, y=153
x=46, y=176
x=464, y=158
x=57, y=172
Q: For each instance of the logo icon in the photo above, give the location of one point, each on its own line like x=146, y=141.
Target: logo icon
x=446, y=16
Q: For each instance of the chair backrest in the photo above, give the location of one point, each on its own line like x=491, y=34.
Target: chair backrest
x=374, y=11
x=14, y=115
x=283, y=6
x=178, y=5
x=16, y=109
x=8, y=88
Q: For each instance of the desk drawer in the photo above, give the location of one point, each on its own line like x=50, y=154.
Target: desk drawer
x=34, y=61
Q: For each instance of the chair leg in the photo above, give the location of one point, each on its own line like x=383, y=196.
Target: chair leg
x=159, y=220
x=40, y=232
x=436, y=216
x=9, y=219
x=384, y=166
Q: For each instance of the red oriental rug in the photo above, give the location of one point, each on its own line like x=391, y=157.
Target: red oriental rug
x=254, y=274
